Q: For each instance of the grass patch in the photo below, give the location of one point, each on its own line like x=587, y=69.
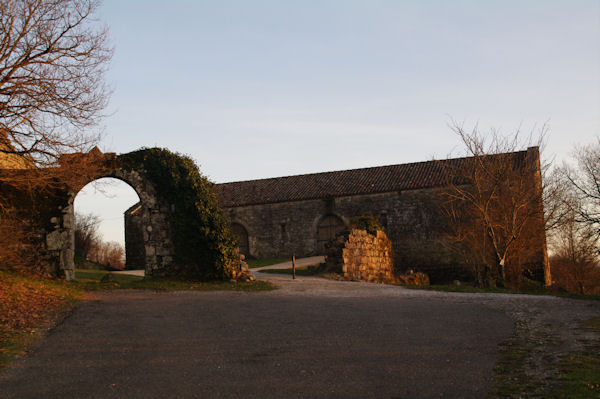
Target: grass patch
x=463, y=287
x=579, y=373
x=90, y=280
x=300, y=271
x=577, y=376
x=81, y=263
x=254, y=263
x=511, y=378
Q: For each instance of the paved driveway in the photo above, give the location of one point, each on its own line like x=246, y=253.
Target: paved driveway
x=312, y=338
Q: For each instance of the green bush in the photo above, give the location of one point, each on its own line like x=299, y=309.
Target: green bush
x=368, y=223
x=205, y=247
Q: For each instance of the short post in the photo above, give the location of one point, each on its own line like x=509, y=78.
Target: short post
x=293, y=266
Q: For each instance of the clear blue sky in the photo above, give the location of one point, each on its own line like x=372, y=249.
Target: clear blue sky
x=254, y=89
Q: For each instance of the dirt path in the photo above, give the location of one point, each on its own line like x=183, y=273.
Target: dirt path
x=138, y=272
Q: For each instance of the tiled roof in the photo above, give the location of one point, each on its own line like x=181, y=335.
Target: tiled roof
x=373, y=180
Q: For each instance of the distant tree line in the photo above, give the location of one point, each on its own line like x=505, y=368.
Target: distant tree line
x=89, y=245
x=574, y=229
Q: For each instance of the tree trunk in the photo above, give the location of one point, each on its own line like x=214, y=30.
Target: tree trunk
x=501, y=274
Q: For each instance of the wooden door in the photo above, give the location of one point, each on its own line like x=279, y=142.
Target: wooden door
x=328, y=227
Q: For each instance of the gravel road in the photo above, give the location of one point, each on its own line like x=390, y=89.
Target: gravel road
x=311, y=338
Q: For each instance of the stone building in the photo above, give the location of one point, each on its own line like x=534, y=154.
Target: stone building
x=299, y=215
x=278, y=217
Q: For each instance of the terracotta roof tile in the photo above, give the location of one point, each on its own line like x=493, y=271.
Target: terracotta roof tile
x=373, y=180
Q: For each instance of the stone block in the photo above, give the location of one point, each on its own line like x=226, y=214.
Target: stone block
x=150, y=250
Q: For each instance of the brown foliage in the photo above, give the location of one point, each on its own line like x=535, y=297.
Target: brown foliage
x=28, y=194
x=575, y=234
x=53, y=60
x=110, y=254
x=86, y=234
x=412, y=278
x=575, y=262
x=13, y=239
x=25, y=303
x=579, y=276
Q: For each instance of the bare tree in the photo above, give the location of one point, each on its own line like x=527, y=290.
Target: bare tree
x=575, y=263
x=53, y=57
x=574, y=232
x=15, y=247
x=110, y=254
x=86, y=233
x=585, y=180
x=493, y=205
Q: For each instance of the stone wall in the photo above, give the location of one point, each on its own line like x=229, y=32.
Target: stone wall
x=282, y=215
x=368, y=257
x=155, y=246
x=59, y=240
x=410, y=218
x=134, y=238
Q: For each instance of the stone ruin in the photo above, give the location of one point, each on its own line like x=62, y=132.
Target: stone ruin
x=360, y=255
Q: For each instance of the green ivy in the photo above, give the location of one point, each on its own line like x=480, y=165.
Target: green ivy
x=369, y=223
x=205, y=247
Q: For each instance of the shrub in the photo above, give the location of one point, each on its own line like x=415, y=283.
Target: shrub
x=369, y=223
x=579, y=277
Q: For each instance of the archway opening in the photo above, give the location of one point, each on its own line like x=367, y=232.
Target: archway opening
x=101, y=207
x=327, y=229
x=242, y=236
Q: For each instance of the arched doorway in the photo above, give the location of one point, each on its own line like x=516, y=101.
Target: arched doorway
x=100, y=237
x=327, y=228
x=156, y=247
x=169, y=248
x=242, y=236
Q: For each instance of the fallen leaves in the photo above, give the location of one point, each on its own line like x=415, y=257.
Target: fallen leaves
x=25, y=302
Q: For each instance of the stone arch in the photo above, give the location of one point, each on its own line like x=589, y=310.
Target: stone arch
x=327, y=228
x=158, y=249
x=241, y=233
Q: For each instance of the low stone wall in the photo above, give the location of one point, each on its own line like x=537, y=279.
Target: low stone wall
x=368, y=257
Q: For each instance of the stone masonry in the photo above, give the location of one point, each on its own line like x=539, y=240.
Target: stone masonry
x=134, y=233
x=155, y=246
x=285, y=216
x=368, y=257
x=410, y=218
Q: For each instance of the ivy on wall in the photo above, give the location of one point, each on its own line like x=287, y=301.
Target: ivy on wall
x=205, y=247
x=369, y=223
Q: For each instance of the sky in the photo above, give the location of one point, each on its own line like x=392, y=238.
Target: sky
x=256, y=89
